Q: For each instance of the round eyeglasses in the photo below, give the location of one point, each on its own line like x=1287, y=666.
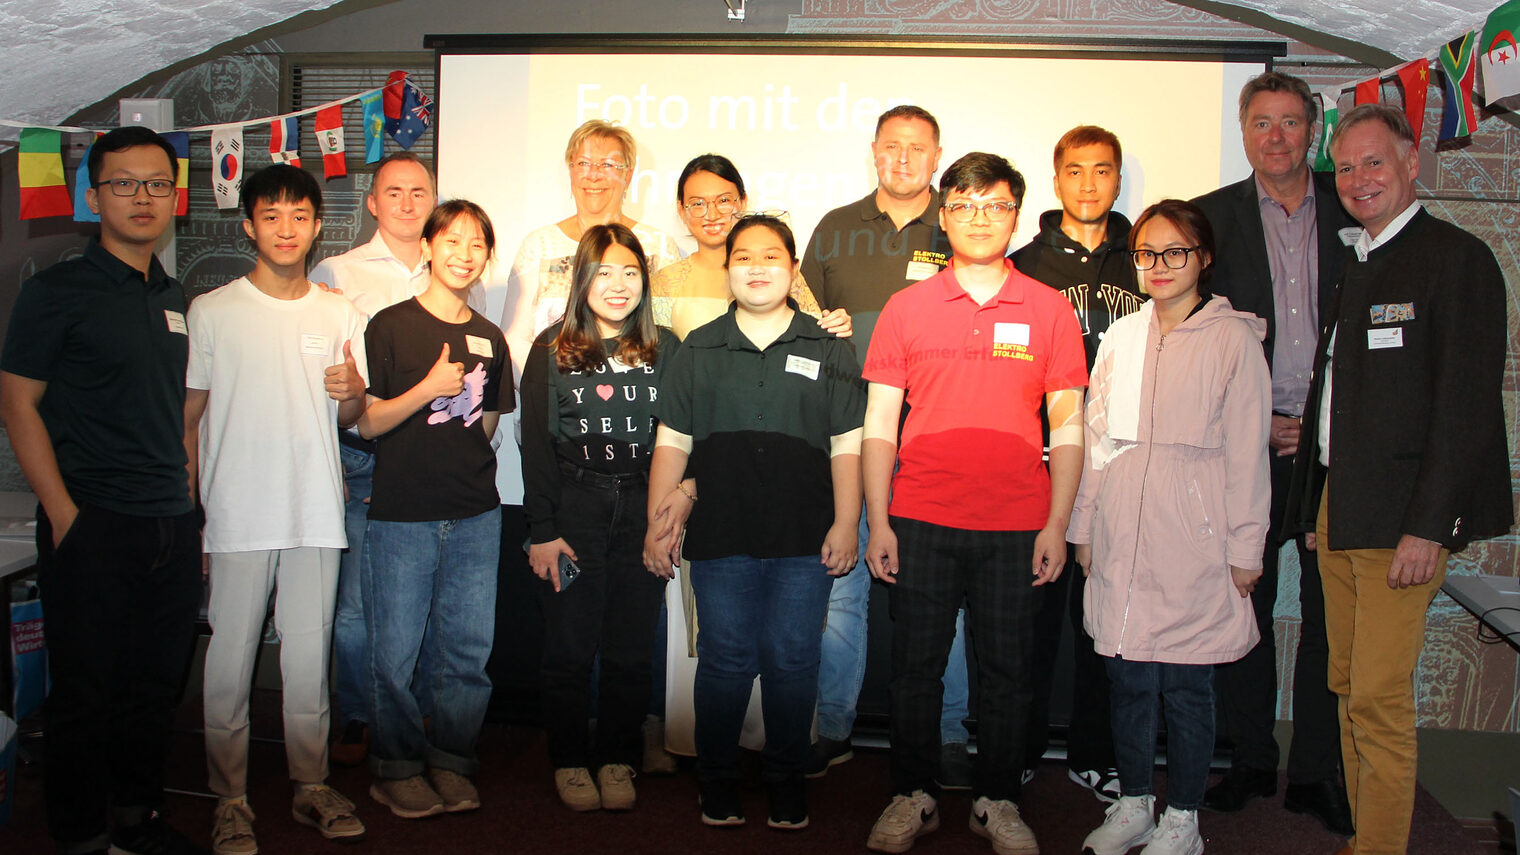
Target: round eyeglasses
x=1174, y=258
x=723, y=206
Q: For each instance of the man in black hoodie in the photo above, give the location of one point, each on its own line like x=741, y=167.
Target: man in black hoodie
x=1081, y=251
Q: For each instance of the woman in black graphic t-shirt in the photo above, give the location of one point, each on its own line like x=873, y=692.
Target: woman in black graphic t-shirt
x=588, y=397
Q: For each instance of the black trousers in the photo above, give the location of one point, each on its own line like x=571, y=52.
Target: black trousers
x=939, y=568
x=1089, y=739
x=1246, y=689
x=120, y=597
x=610, y=609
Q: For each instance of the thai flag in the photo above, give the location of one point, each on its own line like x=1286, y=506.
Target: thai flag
x=285, y=141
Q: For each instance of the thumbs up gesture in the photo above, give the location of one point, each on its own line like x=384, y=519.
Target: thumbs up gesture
x=343, y=381
x=446, y=379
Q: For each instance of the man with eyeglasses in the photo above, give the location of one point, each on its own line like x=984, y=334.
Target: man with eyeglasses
x=1280, y=257
x=92, y=393
x=858, y=257
x=961, y=505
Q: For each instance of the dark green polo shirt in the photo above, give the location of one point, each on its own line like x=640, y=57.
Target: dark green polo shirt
x=761, y=424
x=112, y=345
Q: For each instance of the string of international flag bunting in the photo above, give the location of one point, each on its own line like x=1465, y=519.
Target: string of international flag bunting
x=400, y=109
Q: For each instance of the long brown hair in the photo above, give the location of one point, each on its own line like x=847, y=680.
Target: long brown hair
x=578, y=347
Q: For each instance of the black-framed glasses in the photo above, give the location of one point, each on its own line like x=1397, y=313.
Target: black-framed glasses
x=724, y=205
x=965, y=212
x=159, y=187
x=1174, y=258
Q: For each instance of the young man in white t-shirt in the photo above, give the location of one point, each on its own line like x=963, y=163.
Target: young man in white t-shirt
x=273, y=373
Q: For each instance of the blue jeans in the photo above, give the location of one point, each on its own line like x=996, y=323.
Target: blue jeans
x=350, y=639
x=757, y=616
x=435, y=580
x=842, y=667
x=1187, y=691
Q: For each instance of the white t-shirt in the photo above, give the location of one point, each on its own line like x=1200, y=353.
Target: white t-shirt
x=269, y=471
x=373, y=278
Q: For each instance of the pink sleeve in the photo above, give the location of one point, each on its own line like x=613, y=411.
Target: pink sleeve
x=1245, y=419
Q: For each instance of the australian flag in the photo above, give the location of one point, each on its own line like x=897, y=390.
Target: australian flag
x=416, y=115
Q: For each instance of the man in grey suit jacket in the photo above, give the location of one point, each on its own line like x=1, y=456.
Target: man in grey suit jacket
x=1280, y=257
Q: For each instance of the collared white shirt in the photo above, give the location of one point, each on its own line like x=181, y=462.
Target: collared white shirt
x=373, y=278
x=1363, y=245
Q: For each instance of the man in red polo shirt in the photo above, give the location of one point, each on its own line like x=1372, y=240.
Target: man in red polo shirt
x=975, y=351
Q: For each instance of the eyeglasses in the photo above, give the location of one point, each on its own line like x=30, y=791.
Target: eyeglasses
x=1175, y=258
x=773, y=213
x=723, y=205
x=965, y=212
x=612, y=166
x=159, y=187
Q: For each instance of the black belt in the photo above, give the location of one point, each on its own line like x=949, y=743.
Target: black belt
x=356, y=442
x=582, y=475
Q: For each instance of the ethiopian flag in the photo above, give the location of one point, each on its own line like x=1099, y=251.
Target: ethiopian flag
x=39, y=167
x=181, y=142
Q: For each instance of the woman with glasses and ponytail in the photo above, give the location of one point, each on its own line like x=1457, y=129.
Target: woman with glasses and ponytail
x=1171, y=518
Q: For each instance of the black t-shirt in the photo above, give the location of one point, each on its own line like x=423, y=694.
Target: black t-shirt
x=601, y=420
x=112, y=346
x=437, y=464
x=761, y=423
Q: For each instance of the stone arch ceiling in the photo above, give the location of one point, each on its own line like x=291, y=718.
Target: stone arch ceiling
x=58, y=57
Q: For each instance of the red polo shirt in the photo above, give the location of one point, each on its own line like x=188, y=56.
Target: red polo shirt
x=975, y=377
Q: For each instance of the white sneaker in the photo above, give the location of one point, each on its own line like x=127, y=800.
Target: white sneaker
x=232, y=829
x=905, y=820
x=1104, y=783
x=999, y=821
x=1127, y=823
x=1177, y=834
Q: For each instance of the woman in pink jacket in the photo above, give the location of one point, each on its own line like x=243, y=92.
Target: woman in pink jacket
x=1171, y=518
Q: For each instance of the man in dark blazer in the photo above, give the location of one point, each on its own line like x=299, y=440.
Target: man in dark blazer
x=1280, y=257
x=1404, y=457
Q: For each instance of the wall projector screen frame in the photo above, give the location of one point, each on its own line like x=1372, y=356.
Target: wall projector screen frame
x=796, y=115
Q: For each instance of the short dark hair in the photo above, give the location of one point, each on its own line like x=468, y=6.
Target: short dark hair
x=444, y=216
x=980, y=171
x=397, y=157
x=1194, y=225
x=281, y=182
x=718, y=165
x=775, y=224
x=122, y=139
x=1083, y=135
x=578, y=347
x=1276, y=81
x=907, y=111
x=1391, y=118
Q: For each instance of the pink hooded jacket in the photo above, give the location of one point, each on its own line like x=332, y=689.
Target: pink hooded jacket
x=1175, y=487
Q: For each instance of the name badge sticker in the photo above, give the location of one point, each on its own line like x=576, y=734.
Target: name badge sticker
x=481, y=347
x=802, y=365
x=176, y=322
x=315, y=345
x=921, y=270
x=1006, y=333
x=1381, y=339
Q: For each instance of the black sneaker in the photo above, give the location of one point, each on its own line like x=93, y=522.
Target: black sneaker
x=720, y=803
x=788, y=805
x=955, y=767
x=825, y=753
x=152, y=836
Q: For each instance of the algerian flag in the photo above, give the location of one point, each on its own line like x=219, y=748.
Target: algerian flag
x=1330, y=108
x=1498, y=53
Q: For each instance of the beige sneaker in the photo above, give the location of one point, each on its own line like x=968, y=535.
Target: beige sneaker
x=905, y=820
x=615, y=780
x=657, y=761
x=576, y=790
x=232, y=829
x=328, y=811
x=408, y=798
x=998, y=820
x=457, y=792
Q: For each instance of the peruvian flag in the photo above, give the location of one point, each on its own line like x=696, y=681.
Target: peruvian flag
x=285, y=141
x=329, y=130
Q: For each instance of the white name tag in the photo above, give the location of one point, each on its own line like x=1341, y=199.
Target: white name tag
x=1382, y=338
x=802, y=365
x=176, y=322
x=479, y=346
x=1010, y=334
x=315, y=345
x=920, y=270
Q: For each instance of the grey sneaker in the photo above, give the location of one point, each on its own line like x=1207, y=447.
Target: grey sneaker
x=955, y=767
x=999, y=821
x=232, y=829
x=457, y=792
x=325, y=809
x=657, y=761
x=905, y=820
x=615, y=780
x=408, y=798
x=825, y=753
x=1127, y=823
x=576, y=789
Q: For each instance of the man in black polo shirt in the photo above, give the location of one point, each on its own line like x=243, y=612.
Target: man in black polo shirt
x=92, y=392
x=859, y=256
